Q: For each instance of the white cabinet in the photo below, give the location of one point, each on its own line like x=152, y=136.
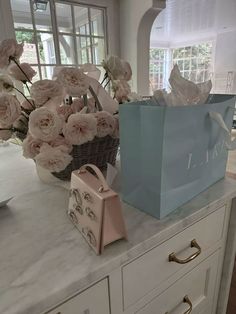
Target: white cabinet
x=180, y=275
x=194, y=291
x=94, y=300
x=151, y=269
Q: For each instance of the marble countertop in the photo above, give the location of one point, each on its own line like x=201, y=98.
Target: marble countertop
x=44, y=259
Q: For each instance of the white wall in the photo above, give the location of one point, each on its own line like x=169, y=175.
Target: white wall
x=136, y=18
x=6, y=21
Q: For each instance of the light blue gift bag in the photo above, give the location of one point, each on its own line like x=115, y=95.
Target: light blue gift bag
x=171, y=154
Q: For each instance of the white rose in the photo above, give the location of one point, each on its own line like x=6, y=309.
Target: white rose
x=6, y=84
x=64, y=111
x=9, y=48
x=28, y=74
x=113, y=67
x=5, y=134
x=127, y=70
x=44, y=124
x=74, y=80
x=31, y=146
x=61, y=143
x=122, y=90
x=10, y=109
x=116, y=132
x=44, y=91
x=80, y=128
x=52, y=158
x=105, y=123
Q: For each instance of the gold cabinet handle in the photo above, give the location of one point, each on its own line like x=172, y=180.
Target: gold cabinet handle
x=186, y=300
x=173, y=258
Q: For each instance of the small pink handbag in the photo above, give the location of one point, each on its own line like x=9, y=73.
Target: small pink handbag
x=95, y=209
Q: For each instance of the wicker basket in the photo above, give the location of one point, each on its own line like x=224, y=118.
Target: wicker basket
x=100, y=151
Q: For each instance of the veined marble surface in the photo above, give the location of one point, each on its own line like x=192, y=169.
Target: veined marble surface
x=43, y=258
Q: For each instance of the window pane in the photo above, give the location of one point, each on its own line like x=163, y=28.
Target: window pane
x=97, y=25
x=98, y=49
x=47, y=72
x=67, y=49
x=43, y=19
x=64, y=18
x=46, y=48
x=84, y=50
x=29, y=54
x=186, y=64
x=81, y=20
x=21, y=14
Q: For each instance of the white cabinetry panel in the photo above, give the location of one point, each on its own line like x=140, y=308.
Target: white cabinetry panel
x=94, y=300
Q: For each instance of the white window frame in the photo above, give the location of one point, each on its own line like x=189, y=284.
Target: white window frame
x=111, y=7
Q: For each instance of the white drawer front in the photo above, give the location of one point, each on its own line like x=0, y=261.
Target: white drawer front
x=198, y=285
x=151, y=269
x=94, y=300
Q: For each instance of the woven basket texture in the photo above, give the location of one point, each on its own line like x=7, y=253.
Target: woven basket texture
x=100, y=151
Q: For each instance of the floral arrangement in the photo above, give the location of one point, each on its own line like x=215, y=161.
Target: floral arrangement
x=71, y=109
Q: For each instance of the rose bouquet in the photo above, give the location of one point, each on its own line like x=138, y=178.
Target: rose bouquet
x=67, y=121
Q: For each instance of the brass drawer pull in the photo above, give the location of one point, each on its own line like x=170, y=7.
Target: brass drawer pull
x=186, y=300
x=173, y=258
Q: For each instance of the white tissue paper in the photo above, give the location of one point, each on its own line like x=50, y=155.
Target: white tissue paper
x=183, y=92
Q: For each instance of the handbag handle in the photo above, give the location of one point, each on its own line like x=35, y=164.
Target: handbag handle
x=104, y=186
x=217, y=117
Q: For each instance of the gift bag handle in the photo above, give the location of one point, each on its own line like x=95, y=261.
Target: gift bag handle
x=104, y=186
x=217, y=117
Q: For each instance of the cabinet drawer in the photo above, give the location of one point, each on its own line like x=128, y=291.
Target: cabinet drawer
x=151, y=269
x=195, y=289
x=94, y=300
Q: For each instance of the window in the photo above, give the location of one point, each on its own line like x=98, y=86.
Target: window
x=157, y=68
x=194, y=63
x=59, y=33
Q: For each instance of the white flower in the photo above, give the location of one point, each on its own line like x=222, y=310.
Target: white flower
x=28, y=104
x=5, y=134
x=116, y=131
x=10, y=109
x=113, y=67
x=74, y=80
x=52, y=158
x=61, y=143
x=64, y=111
x=122, y=90
x=127, y=71
x=31, y=146
x=91, y=70
x=77, y=105
x=6, y=84
x=105, y=123
x=44, y=91
x=117, y=69
x=80, y=128
x=9, y=48
x=44, y=124
x=15, y=72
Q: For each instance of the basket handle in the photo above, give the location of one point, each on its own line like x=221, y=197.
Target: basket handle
x=104, y=186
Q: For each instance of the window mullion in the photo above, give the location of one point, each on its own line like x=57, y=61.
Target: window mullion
x=55, y=31
x=90, y=35
x=74, y=35
x=35, y=38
